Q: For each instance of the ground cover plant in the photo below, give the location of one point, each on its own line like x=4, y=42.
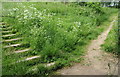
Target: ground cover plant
x=111, y=43
x=58, y=34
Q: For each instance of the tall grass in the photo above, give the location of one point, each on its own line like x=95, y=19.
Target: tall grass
x=111, y=43
x=56, y=31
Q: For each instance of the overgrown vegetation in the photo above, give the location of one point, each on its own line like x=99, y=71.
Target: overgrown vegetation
x=111, y=43
x=58, y=32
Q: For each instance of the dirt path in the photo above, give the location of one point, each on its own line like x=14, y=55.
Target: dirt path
x=97, y=62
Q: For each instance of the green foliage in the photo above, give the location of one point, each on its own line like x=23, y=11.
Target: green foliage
x=56, y=31
x=38, y=70
x=111, y=43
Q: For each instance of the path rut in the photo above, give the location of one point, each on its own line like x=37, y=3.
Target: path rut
x=97, y=62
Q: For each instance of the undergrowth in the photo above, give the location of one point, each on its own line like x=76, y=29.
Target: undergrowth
x=111, y=43
x=58, y=32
